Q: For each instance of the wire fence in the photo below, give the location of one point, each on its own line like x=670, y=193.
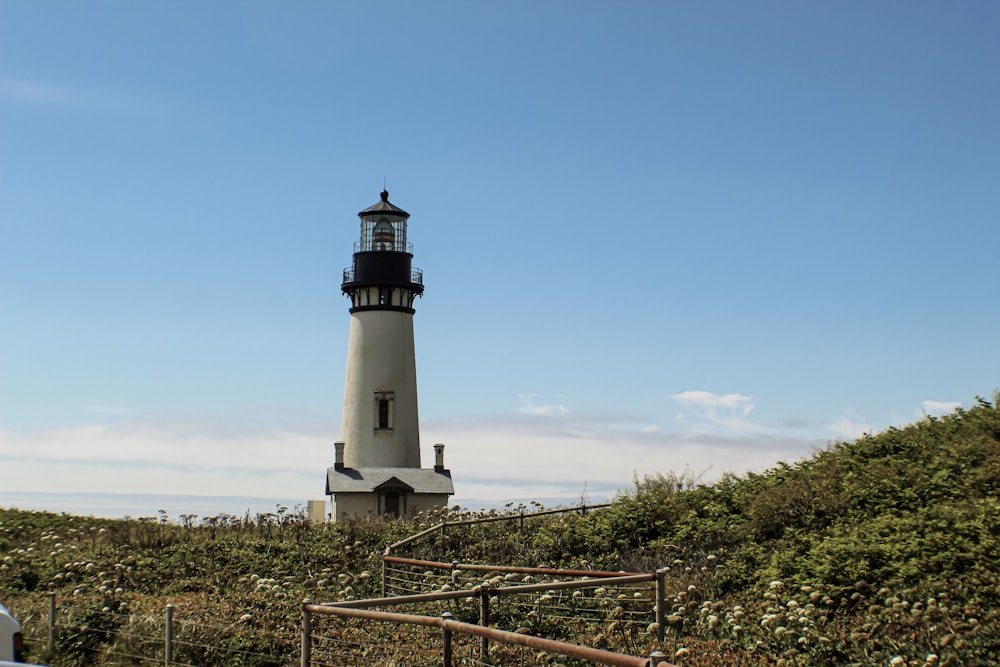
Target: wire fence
x=552, y=602
x=619, y=612
x=416, y=640
x=80, y=632
x=622, y=612
x=613, y=610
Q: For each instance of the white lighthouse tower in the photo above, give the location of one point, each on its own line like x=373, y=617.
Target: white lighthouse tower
x=377, y=461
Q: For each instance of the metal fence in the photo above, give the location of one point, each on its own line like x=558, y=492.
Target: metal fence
x=506, y=625
x=456, y=643
x=620, y=611
x=84, y=633
x=533, y=596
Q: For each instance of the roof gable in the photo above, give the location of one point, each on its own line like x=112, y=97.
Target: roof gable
x=394, y=484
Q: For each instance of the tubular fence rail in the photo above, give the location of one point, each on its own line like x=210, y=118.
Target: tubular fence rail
x=140, y=638
x=538, y=598
x=619, y=611
x=403, y=647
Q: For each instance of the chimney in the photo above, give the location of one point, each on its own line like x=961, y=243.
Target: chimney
x=439, y=457
x=338, y=452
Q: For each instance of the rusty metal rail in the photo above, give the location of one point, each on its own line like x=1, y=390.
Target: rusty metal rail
x=487, y=594
x=449, y=626
x=487, y=590
x=389, y=561
x=477, y=591
x=504, y=568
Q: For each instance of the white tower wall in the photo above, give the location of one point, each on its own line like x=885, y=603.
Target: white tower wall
x=381, y=366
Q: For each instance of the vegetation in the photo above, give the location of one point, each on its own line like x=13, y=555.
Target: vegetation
x=885, y=550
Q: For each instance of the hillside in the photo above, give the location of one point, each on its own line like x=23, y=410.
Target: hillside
x=885, y=550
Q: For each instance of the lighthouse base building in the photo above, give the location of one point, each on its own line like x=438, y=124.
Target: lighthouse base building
x=386, y=492
x=376, y=471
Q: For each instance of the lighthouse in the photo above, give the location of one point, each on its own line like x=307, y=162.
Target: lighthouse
x=376, y=468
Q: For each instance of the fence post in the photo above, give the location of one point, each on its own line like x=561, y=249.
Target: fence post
x=661, y=603
x=385, y=572
x=52, y=621
x=306, y=633
x=168, y=641
x=656, y=657
x=446, y=639
x=484, y=620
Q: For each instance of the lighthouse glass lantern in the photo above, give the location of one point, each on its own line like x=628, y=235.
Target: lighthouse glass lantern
x=384, y=229
x=384, y=233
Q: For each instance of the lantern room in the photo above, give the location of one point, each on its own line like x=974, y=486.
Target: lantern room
x=383, y=228
x=382, y=275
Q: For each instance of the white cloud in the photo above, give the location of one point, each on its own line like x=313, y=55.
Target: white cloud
x=709, y=411
x=146, y=457
x=528, y=407
x=496, y=455
x=41, y=93
x=36, y=92
x=850, y=426
x=710, y=401
x=494, y=459
x=939, y=407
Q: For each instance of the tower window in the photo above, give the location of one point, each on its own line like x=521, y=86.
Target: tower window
x=383, y=411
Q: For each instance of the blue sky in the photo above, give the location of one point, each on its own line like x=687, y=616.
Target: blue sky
x=657, y=236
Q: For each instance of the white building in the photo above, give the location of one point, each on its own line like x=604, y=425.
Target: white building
x=376, y=468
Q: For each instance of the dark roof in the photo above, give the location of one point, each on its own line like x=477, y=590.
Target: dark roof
x=366, y=480
x=384, y=207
